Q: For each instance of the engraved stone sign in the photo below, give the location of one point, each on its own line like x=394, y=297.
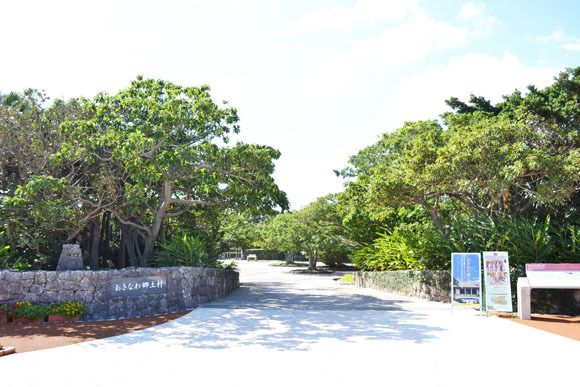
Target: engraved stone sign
x=71, y=258
x=128, y=287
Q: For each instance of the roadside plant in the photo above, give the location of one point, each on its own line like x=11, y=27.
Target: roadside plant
x=9, y=259
x=183, y=250
x=26, y=309
x=230, y=266
x=67, y=309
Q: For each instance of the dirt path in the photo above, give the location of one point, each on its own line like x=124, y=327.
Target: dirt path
x=33, y=337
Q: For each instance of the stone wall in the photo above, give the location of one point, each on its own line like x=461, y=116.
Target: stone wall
x=430, y=285
x=436, y=286
x=556, y=301
x=175, y=289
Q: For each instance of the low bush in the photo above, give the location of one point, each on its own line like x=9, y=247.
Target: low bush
x=422, y=247
x=26, y=309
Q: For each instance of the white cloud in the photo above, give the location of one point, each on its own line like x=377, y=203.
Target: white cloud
x=423, y=96
x=364, y=13
x=481, y=24
x=566, y=42
x=416, y=38
x=470, y=11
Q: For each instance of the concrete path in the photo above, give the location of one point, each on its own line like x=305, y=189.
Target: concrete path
x=282, y=329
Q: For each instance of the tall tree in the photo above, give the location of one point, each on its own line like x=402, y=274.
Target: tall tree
x=400, y=170
x=157, y=154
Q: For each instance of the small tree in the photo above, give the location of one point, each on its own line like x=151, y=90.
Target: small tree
x=316, y=230
x=281, y=233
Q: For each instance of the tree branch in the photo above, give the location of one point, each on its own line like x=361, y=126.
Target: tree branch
x=177, y=213
x=194, y=202
x=128, y=222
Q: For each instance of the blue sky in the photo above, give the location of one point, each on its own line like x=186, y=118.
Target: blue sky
x=318, y=80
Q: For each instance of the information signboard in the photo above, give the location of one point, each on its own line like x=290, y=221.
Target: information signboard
x=496, y=274
x=553, y=275
x=466, y=279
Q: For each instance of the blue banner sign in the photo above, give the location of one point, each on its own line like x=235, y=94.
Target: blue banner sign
x=466, y=279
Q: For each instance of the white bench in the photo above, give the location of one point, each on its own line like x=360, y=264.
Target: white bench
x=545, y=276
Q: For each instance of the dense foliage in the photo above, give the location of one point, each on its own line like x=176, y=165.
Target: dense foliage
x=483, y=178
x=117, y=172
x=487, y=177
x=123, y=174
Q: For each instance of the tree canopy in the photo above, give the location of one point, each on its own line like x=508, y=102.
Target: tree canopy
x=516, y=162
x=151, y=152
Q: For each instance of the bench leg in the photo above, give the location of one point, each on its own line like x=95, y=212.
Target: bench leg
x=524, y=299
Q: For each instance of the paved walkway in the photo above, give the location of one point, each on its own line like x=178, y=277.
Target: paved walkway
x=282, y=329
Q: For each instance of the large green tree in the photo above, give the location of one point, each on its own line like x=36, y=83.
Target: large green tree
x=127, y=164
x=160, y=150
x=510, y=163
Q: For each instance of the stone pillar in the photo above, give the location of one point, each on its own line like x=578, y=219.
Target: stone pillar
x=71, y=258
x=524, y=299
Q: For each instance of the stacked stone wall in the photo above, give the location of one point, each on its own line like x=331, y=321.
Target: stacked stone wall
x=431, y=285
x=185, y=288
x=436, y=286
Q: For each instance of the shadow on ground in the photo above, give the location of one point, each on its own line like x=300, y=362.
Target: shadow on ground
x=281, y=317
x=84, y=330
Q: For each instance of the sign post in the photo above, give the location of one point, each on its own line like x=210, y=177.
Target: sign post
x=498, y=292
x=466, y=279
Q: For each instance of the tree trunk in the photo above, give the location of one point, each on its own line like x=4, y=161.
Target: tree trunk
x=130, y=245
x=289, y=257
x=433, y=210
x=106, y=235
x=148, y=251
x=162, y=233
x=95, y=238
x=312, y=257
x=153, y=233
x=121, y=254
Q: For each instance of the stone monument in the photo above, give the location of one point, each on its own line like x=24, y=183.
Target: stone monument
x=71, y=258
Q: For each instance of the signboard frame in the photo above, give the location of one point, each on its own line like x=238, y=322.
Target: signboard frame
x=496, y=277
x=465, y=263
x=553, y=275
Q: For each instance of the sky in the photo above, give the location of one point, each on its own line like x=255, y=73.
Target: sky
x=318, y=80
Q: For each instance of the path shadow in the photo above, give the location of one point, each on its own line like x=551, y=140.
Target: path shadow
x=281, y=317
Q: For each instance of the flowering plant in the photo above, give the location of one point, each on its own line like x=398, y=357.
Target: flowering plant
x=4, y=308
x=1, y=347
x=28, y=310
x=67, y=309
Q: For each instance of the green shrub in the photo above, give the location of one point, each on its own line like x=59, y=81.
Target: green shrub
x=25, y=309
x=422, y=246
x=184, y=250
x=9, y=260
